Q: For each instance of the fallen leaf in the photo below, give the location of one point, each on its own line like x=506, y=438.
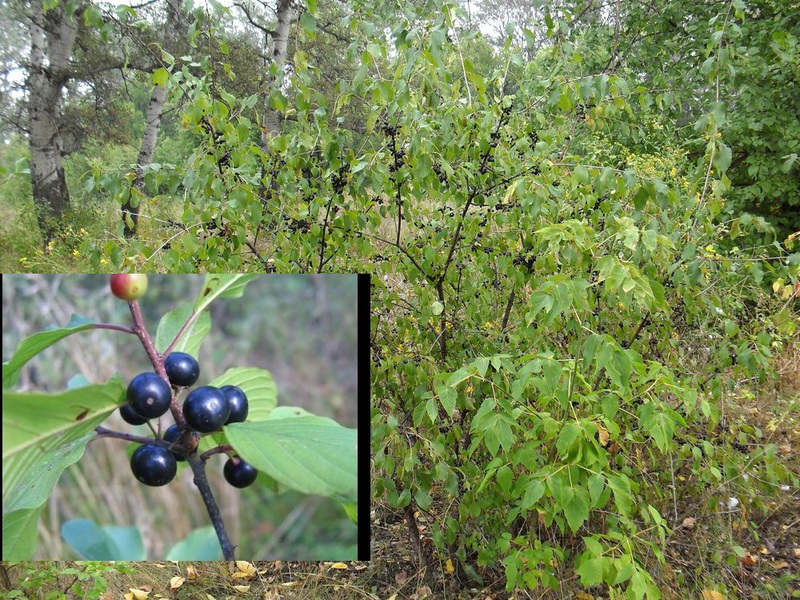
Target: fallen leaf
x=339, y=565
x=242, y=589
x=422, y=592
x=448, y=566
x=712, y=595
x=689, y=522
x=139, y=594
x=749, y=560
x=191, y=572
x=781, y=565
x=400, y=578
x=176, y=582
x=246, y=569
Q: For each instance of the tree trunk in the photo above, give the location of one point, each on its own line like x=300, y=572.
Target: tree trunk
x=155, y=108
x=287, y=12
x=175, y=28
x=52, y=39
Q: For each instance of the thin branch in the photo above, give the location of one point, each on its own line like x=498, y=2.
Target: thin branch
x=201, y=481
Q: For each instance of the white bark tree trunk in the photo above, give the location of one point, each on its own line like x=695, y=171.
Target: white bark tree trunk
x=287, y=11
x=52, y=39
x=174, y=30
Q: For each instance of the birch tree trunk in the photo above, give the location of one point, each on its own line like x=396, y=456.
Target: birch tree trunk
x=175, y=28
x=287, y=11
x=52, y=39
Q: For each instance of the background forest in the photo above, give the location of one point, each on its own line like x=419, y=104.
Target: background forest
x=582, y=221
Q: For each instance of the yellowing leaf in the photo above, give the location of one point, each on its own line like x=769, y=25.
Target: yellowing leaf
x=176, y=582
x=712, y=595
x=339, y=565
x=139, y=594
x=245, y=567
x=602, y=435
x=242, y=589
x=448, y=566
x=160, y=76
x=191, y=572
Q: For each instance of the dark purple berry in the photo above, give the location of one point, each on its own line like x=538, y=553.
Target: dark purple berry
x=182, y=369
x=131, y=416
x=238, y=401
x=149, y=395
x=153, y=465
x=239, y=473
x=206, y=409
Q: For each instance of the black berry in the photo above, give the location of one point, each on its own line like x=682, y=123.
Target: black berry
x=153, y=465
x=172, y=435
x=182, y=369
x=206, y=409
x=131, y=416
x=238, y=401
x=239, y=473
x=149, y=395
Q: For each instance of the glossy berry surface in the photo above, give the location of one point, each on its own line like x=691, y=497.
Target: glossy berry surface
x=153, y=465
x=206, y=409
x=182, y=369
x=129, y=286
x=238, y=401
x=173, y=434
x=149, y=395
x=239, y=473
x=131, y=416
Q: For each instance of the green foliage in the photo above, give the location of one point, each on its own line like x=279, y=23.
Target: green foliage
x=86, y=580
x=553, y=312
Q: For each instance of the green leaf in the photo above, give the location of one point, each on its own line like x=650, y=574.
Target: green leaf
x=262, y=393
x=19, y=533
x=93, y=542
x=596, y=485
x=45, y=433
x=577, y=509
x=722, y=160
x=33, y=345
x=200, y=544
x=160, y=76
x=447, y=396
x=172, y=323
x=534, y=490
x=505, y=477
x=222, y=286
x=567, y=438
x=592, y=570
x=313, y=455
x=350, y=508
x=308, y=23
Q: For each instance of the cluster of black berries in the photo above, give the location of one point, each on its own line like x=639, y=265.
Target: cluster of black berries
x=205, y=409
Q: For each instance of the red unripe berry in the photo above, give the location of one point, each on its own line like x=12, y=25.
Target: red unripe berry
x=129, y=286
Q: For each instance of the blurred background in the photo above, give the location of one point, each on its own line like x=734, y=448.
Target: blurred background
x=302, y=328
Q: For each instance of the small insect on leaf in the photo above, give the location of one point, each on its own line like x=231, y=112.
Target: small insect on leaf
x=82, y=415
